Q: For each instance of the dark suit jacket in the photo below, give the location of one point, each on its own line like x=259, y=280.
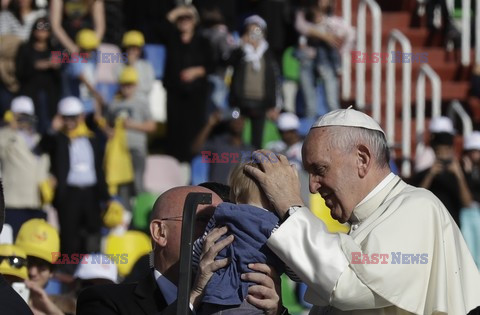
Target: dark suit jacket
x=57, y=146
x=10, y=301
x=139, y=298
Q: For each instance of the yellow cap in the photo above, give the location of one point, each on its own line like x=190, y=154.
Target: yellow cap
x=114, y=215
x=133, y=38
x=39, y=239
x=87, y=39
x=133, y=243
x=129, y=75
x=18, y=257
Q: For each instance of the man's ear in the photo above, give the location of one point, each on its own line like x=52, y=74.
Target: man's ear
x=364, y=160
x=158, y=232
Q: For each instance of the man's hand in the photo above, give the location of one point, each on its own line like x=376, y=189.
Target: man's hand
x=40, y=300
x=266, y=294
x=278, y=179
x=208, y=265
x=190, y=74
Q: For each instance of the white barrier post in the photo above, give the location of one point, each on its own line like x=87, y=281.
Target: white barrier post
x=466, y=32
x=477, y=31
x=397, y=36
x=426, y=71
x=346, y=57
x=457, y=108
x=376, y=46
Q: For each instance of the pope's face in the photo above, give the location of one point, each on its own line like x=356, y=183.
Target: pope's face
x=332, y=173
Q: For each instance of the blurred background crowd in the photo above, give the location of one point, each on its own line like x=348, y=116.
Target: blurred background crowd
x=147, y=96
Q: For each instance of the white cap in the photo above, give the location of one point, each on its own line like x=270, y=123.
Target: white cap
x=256, y=19
x=349, y=118
x=288, y=121
x=472, y=141
x=96, y=266
x=70, y=106
x=22, y=105
x=441, y=124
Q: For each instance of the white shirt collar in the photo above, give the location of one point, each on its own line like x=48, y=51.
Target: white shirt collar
x=377, y=188
x=168, y=289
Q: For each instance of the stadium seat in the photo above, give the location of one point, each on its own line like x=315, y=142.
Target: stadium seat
x=133, y=243
x=141, y=210
x=199, y=170
x=289, y=298
x=305, y=124
x=162, y=172
x=318, y=207
x=156, y=54
x=270, y=132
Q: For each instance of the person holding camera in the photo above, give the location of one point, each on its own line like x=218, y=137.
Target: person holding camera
x=445, y=178
x=24, y=168
x=222, y=148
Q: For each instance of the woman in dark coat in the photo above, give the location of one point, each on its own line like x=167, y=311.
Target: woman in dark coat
x=189, y=60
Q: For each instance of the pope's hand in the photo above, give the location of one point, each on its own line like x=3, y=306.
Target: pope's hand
x=278, y=179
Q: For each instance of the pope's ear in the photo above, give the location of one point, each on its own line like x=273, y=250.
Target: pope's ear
x=364, y=160
x=158, y=232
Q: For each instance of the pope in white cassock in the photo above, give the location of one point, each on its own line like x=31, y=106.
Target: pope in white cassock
x=404, y=253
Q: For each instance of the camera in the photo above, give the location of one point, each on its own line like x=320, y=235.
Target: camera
x=445, y=162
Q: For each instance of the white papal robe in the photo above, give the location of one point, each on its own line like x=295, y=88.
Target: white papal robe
x=397, y=218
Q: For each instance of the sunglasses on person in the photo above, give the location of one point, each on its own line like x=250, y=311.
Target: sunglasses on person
x=185, y=17
x=14, y=261
x=42, y=26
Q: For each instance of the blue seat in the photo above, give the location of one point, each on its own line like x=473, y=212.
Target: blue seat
x=107, y=91
x=199, y=170
x=305, y=124
x=156, y=54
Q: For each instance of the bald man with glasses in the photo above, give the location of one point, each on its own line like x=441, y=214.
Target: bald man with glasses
x=157, y=293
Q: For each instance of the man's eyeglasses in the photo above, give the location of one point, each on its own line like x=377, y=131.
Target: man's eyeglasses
x=200, y=218
x=177, y=218
x=14, y=261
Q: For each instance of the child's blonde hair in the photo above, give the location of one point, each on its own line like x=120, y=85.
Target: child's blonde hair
x=243, y=187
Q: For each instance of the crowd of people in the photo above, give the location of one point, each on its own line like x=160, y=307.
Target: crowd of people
x=75, y=81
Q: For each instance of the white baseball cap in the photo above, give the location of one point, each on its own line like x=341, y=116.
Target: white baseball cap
x=349, y=118
x=288, y=121
x=22, y=105
x=70, y=106
x=256, y=19
x=97, y=266
x=441, y=124
x=472, y=141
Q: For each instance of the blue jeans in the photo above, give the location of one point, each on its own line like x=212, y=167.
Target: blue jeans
x=308, y=83
x=218, y=95
x=327, y=63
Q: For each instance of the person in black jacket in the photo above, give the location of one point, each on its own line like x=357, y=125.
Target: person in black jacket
x=157, y=292
x=10, y=301
x=76, y=161
x=254, y=87
x=188, y=62
x=38, y=75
